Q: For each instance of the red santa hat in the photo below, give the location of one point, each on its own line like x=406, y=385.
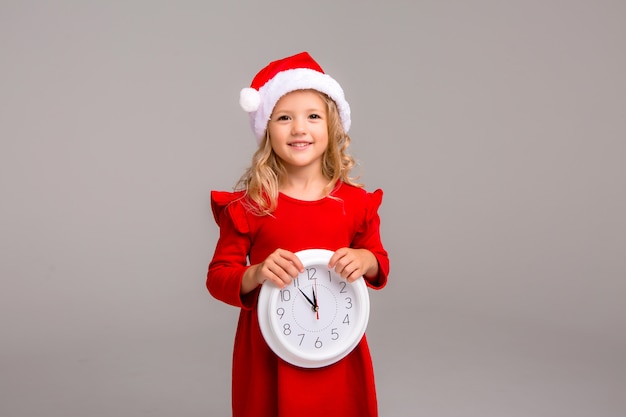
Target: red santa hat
x=297, y=72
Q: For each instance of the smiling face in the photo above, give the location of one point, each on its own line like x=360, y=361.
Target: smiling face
x=298, y=131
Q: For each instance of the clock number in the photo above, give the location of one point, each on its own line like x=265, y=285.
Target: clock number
x=334, y=334
x=343, y=287
x=285, y=295
x=281, y=312
x=318, y=343
x=296, y=282
x=286, y=329
x=330, y=277
x=310, y=272
x=301, y=338
x=349, y=300
x=346, y=320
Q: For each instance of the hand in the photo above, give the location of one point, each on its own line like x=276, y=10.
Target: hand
x=351, y=264
x=280, y=267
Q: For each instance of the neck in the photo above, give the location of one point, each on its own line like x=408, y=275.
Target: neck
x=304, y=188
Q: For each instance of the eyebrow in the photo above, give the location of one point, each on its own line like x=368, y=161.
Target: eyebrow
x=309, y=110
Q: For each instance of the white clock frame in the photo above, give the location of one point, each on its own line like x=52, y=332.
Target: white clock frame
x=340, y=348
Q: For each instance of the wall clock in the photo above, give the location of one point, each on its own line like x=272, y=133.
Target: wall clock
x=316, y=320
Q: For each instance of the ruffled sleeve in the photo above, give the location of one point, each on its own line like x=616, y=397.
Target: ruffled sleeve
x=224, y=202
x=368, y=237
x=373, y=202
x=230, y=259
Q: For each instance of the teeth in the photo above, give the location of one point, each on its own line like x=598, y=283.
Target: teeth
x=299, y=144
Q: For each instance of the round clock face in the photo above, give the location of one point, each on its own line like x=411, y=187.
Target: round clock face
x=319, y=318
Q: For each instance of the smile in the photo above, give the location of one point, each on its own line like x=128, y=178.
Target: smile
x=299, y=144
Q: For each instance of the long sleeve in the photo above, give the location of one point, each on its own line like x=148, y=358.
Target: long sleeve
x=368, y=237
x=230, y=259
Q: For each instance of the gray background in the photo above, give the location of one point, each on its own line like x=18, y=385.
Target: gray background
x=496, y=129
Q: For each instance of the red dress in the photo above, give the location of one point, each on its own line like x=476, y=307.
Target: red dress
x=263, y=385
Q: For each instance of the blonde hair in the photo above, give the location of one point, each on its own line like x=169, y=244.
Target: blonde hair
x=262, y=178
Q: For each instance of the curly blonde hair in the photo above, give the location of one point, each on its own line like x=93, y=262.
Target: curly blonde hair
x=261, y=180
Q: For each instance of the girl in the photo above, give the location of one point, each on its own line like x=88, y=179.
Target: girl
x=296, y=195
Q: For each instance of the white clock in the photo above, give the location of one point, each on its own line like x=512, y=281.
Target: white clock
x=316, y=320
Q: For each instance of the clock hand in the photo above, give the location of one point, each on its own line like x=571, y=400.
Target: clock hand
x=309, y=300
x=317, y=308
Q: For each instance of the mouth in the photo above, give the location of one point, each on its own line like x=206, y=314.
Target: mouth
x=299, y=144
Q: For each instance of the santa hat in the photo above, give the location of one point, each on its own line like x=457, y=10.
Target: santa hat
x=297, y=72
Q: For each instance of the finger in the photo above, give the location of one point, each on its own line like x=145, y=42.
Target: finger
x=297, y=263
x=290, y=265
x=339, y=253
x=354, y=275
x=288, y=259
x=353, y=271
x=276, y=269
x=270, y=272
x=346, y=265
x=342, y=269
x=282, y=277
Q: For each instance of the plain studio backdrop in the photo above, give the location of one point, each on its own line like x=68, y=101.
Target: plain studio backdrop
x=497, y=130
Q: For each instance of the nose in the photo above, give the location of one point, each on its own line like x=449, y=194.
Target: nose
x=298, y=126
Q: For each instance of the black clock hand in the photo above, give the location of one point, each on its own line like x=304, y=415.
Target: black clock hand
x=309, y=300
x=317, y=307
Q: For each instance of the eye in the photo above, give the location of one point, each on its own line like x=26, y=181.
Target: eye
x=282, y=118
x=315, y=116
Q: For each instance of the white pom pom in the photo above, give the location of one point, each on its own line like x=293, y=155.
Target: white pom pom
x=249, y=99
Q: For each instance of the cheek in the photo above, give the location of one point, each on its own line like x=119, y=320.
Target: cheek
x=278, y=132
x=271, y=132
x=321, y=133
x=326, y=141
x=273, y=137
